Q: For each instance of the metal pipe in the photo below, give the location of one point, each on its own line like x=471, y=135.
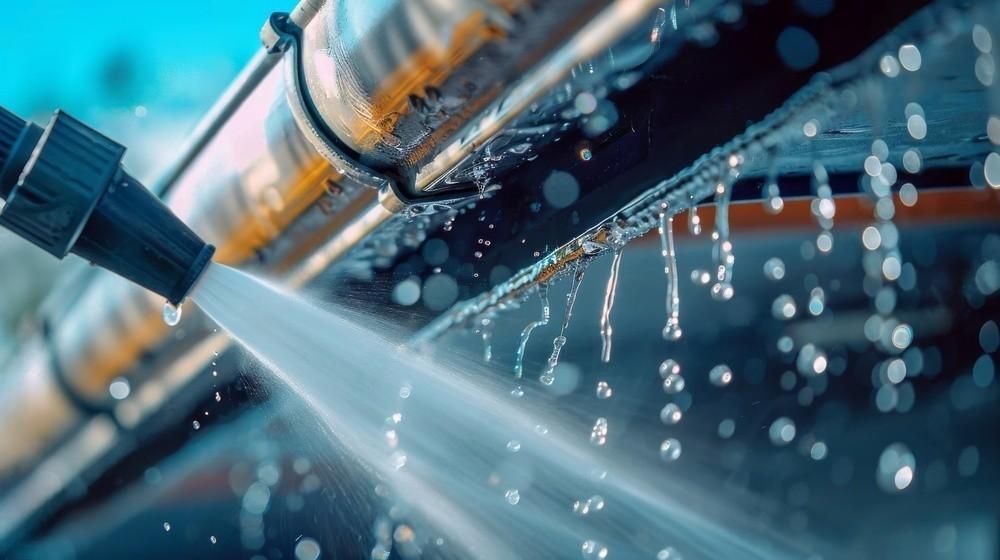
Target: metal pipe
x=252, y=184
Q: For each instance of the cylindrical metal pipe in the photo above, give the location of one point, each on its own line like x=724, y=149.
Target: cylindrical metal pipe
x=254, y=186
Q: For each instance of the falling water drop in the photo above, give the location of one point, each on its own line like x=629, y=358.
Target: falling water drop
x=673, y=384
x=213, y=540
x=513, y=446
x=609, y=302
x=896, y=468
x=196, y=425
x=517, y=392
x=823, y=206
x=774, y=269
x=604, y=391
x=700, y=277
x=782, y=431
x=671, y=414
x=593, y=550
x=670, y=450
x=722, y=290
x=773, y=203
x=543, y=294
x=783, y=308
x=672, y=329
x=548, y=376
x=486, y=325
x=592, y=504
x=166, y=526
x=720, y=375
x=513, y=496
x=694, y=221
x=599, y=433
x=669, y=367
x=171, y=314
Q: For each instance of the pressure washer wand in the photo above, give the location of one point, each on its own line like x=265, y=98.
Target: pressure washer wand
x=64, y=189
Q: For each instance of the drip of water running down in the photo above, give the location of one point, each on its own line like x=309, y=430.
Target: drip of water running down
x=543, y=295
x=722, y=289
x=548, y=374
x=456, y=426
x=694, y=220
x=609, y=302
x=672, y=330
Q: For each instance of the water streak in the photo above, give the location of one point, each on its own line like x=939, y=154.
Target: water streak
x=548, y=374
x=543, y=295
x=722, y=250
x=456, y=424
x=672, y=329
x=609, y=302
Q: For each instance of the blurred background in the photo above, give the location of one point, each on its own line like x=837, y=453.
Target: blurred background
x=141, y=72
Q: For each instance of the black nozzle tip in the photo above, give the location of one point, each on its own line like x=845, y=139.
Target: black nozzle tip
x=188, y=281
x=65, y=191
x=10, y=128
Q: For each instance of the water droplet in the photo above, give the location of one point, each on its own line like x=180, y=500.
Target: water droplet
x=517, y=392
x=119, y=388
x=774, y=269
x=727, y=428
x=599, y=433
x=307, y=549
x=218, y=397
x=783, y=308
x=671, y=414
x=196, y=425
x=171, y=314
x=669, y=367
x=668, y=553
x=670, y=450
x=604, y=390
x=982, y=39
x=694, y=221
x=512, y=496
x=720, y=375
x=166, y=526
x=700, y=277
x=513, y=446
x=909, y=57
x=896, y=468
x=889, y=66
x=818, y=451
x=593, y=504
x=817, y=301
x=782, y=431
x=673, y=384
x=593, y=550
x=213, y=540
x=902, y=336
x=917, y=127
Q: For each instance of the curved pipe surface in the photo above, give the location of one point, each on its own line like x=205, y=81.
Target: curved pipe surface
x=251, y=184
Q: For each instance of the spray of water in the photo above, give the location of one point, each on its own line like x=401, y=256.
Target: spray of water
x=448, y=458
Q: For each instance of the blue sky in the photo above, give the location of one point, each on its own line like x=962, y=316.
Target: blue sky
x=101, y=60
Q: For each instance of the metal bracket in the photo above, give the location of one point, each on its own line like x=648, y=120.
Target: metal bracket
x=282, y=36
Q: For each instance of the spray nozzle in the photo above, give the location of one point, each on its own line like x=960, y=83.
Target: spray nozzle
x=65, y=191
